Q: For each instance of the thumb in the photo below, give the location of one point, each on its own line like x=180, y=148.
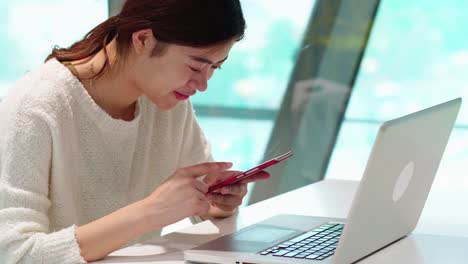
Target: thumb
x=213, y=178
x=198, y=170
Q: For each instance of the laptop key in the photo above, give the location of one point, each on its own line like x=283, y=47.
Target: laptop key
x=281, y=253
x=302, y=237
x=292, y=254
x=284, y=245
x=320, y=242
x=312, y=256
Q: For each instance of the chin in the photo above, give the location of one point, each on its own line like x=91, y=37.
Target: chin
x=166, y=106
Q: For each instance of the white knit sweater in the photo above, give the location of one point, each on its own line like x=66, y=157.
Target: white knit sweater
x=64, y=162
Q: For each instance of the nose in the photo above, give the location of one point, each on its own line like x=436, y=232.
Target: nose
x=199, y=82
x=202, y=84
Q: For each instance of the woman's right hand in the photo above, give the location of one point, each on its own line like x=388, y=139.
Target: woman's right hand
x=181, y=195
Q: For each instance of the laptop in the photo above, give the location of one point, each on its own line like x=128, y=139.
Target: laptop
x=386, y=207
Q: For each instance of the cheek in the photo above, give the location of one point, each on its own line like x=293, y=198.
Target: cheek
x=150, y=85
x=145, y=78
x=157, y=84
x=164, y=80
x=175, y=78
x=210, y=73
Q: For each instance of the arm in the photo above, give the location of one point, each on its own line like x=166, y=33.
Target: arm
x=159, y=209
x=109, y=233
x=25, y=157
x=25, y=234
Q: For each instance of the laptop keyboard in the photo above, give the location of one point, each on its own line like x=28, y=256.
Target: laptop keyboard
x=317, y=244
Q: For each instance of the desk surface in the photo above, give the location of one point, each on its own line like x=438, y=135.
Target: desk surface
x=329, y=198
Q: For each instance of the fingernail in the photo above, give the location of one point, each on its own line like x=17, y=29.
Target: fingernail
x=228, y=164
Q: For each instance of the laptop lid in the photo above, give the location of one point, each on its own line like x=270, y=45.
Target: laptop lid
x=397, y=179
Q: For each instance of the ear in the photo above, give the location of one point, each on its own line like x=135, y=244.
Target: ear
x=143, y=41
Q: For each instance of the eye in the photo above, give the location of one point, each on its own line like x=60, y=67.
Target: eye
x=216, y=67
x=194, y=69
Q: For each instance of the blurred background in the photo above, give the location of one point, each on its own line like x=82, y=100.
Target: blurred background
x=315, y=76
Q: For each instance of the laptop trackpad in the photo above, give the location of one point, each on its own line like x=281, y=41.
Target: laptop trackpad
x=253, y=239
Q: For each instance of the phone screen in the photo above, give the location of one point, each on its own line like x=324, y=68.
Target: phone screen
x=239, y=177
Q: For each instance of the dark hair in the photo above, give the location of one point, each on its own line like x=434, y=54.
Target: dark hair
x=195, y=23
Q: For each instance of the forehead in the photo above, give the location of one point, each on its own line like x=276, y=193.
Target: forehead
x=214, y=53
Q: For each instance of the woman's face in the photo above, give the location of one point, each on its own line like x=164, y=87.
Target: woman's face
x=178, y=73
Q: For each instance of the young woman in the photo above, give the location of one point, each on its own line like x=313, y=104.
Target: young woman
x=100, y=145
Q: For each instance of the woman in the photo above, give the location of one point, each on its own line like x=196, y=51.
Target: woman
x=100, y=145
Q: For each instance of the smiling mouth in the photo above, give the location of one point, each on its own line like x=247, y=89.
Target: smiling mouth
x=180, y=96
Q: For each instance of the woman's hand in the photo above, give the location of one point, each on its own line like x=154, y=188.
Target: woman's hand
x=226, y=199
x=182, y=195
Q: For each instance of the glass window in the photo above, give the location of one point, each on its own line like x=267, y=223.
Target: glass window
x=30, y=28
x=416, y=57
x=254, y=77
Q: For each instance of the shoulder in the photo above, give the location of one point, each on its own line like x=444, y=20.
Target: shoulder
x=41, y=93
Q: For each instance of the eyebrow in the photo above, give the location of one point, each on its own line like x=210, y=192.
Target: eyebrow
x=205, y=60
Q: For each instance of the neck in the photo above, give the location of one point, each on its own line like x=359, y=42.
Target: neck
x=113, y=91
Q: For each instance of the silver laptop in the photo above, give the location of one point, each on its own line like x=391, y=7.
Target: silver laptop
x=386, y=207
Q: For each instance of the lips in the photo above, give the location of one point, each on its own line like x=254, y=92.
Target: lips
x=181, y=96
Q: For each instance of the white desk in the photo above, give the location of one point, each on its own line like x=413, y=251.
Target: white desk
x=330, y=198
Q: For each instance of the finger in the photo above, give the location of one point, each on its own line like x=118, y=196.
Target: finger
x=213, y=178
x=235, y=189
x=200, y=186
x=199, y=195
x=227, y=200
x=201, y=208
x=198, y=170
x=227, y=208
x=261, y=175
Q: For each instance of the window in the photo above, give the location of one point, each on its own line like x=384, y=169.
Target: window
x=238, y=109
x=417, y=56
x=30, y=28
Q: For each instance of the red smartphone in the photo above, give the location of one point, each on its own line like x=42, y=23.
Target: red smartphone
x=239, y=177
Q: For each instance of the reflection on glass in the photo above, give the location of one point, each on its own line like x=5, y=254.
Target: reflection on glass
x=417, y=56
x=352, y=150
x=259, y=66
x=242, y=142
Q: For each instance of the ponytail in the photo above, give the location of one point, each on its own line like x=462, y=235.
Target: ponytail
x=93, y=42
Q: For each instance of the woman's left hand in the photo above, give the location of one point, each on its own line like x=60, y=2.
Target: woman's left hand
x=226, y=199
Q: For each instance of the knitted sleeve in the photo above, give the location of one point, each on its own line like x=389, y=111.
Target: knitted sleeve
x=25, y=162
